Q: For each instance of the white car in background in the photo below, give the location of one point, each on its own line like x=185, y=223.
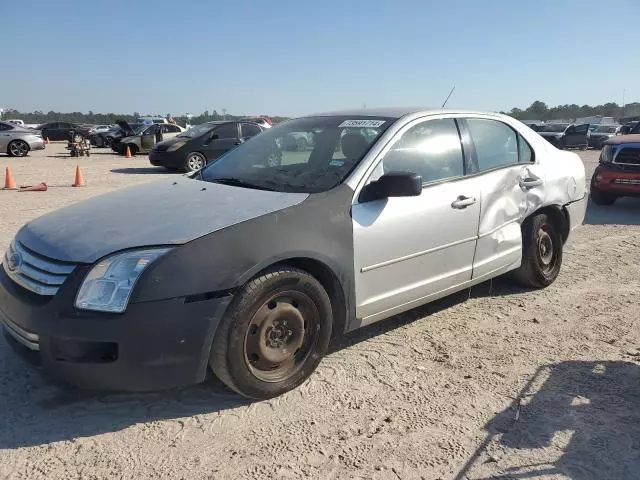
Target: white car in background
x=100, y=128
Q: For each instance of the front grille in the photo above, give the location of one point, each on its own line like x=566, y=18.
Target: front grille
x=628, y=155
x=627, y=181
x=34, y=272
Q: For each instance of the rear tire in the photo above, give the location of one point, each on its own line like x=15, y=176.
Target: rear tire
x=541, y=252
x=273, y=334
x=18, y=148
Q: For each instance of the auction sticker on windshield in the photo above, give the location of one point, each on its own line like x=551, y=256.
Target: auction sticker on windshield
x=361, y=123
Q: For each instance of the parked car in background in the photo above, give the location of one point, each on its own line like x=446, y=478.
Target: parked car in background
x=251, y=268
x=618, y=174
x=202, y=144
x=565, y=135
x=15, y=121
x=18, y=141
x=151, y=120
x=630, y=128
x=56, y=131
x=144, y=137
x=111, y=137
x=100, y=128
x=601, y=133
x=264, y=122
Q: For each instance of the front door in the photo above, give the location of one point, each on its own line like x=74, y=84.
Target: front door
x=510, y=183
x=410, y=250
x=221, y=139
x=576, y=135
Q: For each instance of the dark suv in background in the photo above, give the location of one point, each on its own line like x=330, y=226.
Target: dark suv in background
x=61, y=131
x=200, y=145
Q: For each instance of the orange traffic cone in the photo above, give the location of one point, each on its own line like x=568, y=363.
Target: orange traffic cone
x=41, y=187
x=47, y=141
x=127, y=152
x=79, y=178
x=9, y=182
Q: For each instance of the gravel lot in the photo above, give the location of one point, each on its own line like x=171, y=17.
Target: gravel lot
x=497, y=382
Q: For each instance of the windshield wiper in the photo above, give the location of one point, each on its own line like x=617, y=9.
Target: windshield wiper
x=236, y=182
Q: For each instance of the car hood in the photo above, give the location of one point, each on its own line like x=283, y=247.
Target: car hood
x=125, y=127
x=620, y=139
x=165, y=212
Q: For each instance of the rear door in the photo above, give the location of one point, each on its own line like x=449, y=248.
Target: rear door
x=221, y=139
x=5, y=136
x=51, y=131
x=510, y=183
x=409, y=250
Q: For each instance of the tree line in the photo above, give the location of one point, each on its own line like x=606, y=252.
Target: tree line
x=38, y=117
x=539, y=110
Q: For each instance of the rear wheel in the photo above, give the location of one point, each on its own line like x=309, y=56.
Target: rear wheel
x=541, y=252
x=273, y=335
x=18, y=148
x=195, y=161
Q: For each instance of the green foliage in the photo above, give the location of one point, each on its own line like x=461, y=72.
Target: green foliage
x=38, y=117
x=539, y=110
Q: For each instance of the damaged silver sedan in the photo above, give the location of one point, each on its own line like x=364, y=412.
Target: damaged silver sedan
x=250, y=265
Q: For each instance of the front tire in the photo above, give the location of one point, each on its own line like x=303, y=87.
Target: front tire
x=273, y=335
x=195, y=161
x=18, y=148
x=541, y=252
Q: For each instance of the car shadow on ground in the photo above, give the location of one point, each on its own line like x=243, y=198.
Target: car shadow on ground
x=142, y=170
x=497, y=287
x=37, y=410
x=575, y=419
x=625, y=211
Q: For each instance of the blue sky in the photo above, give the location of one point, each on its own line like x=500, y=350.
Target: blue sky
x=290, y=57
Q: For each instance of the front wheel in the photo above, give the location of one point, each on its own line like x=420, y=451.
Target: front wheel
x=18, y=148
x=273, y=335
x=195, y=161
x=541, y=252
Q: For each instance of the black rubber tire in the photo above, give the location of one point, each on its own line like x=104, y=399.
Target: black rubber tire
x=106, y=142
x=188, y=161
x=23, y=152
x=532, y=273
x=599, y=198
x=228, y=359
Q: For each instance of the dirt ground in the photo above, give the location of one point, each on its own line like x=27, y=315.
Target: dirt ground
x=497, y=382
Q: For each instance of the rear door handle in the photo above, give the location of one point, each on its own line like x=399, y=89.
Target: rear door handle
x=463, y=202
x=530, y=183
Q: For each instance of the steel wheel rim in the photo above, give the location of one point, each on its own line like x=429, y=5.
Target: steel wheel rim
x=546, y=250
x=19, y=148
x=281, y=335
x=195, y=162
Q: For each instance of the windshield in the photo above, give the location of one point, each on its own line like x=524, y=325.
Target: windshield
x=306, y=155
x=555, y=127
x=606, y=129
x=197, y=130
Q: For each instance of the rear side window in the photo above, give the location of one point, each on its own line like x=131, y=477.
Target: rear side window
x=230, y=130
x=496, y=143
x=4, y=126
x=250, y=130
x=431, y=149
x=525, y=154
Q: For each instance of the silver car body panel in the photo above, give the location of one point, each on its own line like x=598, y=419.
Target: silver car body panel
x=408, y=251
x=35, y=141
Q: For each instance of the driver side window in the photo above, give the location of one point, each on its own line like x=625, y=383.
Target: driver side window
x=431, y=149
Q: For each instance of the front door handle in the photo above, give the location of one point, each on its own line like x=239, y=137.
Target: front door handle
x=463, y=202
x=526, y=183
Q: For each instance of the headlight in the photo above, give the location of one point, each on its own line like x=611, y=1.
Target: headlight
x=108, y=286
x=606, y=154
x=176, y=146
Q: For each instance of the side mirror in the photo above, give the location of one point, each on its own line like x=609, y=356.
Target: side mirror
x=392, y=184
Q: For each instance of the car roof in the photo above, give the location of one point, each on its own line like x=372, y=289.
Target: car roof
x=396, y=112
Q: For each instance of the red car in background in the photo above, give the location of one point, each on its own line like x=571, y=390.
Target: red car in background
x=618, y=174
